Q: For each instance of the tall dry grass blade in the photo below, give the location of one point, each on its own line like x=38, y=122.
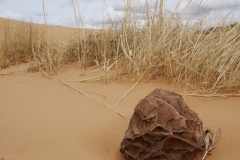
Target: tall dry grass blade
x=128, y=90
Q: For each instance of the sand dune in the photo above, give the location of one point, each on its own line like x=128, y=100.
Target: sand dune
x=41, y=118
x=54, y=32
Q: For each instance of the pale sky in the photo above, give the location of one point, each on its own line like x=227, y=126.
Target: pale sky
x=61, y=12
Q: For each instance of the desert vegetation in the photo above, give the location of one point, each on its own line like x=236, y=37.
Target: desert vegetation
x=191, y=53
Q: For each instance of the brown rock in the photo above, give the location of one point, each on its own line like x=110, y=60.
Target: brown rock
x=163, y=128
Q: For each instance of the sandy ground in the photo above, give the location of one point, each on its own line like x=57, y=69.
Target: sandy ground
x=41, y=118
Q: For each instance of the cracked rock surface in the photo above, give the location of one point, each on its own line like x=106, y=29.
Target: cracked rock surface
x=163, y=127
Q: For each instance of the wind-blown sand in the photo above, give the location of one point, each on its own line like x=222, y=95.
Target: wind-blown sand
x=41, y=118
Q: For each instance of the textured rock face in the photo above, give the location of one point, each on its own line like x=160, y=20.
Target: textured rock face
x=163, y=128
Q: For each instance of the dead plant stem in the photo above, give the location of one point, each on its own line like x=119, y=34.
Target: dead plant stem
x=85, y=94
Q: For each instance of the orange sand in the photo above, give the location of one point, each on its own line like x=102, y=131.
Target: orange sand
x=43, y=119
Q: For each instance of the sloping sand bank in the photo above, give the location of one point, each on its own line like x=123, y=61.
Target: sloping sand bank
x=41, y=118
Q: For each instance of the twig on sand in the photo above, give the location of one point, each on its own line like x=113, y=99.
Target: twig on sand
x=214, y=95
x=210, y=141
x=87, y=79
x=85, y=94
x=24, y=69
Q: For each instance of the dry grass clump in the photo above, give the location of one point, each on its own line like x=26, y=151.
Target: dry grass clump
x=17, y=43
x=159, y=43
